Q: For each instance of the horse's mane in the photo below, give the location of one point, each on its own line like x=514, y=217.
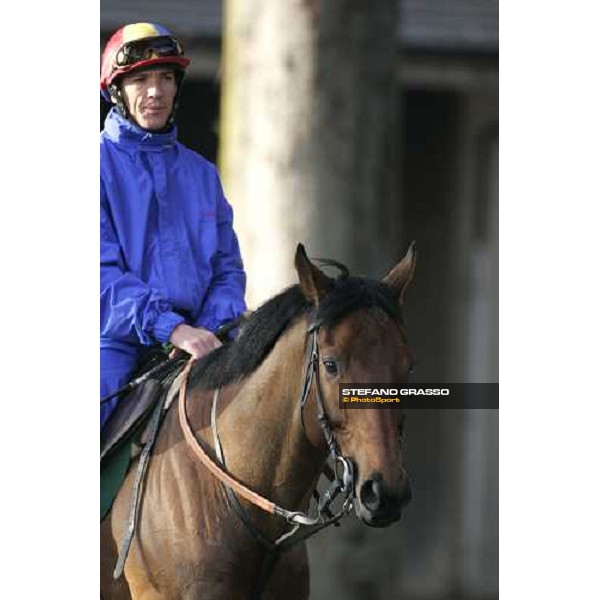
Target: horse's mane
x=264, y=327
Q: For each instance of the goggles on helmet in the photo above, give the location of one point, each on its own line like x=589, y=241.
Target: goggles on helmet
x=137, y=51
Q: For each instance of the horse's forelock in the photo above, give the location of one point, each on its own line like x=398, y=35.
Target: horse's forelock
x=352, y=294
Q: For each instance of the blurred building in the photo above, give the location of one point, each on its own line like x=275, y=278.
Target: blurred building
x=447, y=76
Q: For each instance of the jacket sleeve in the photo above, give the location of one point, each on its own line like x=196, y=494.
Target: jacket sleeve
x=130, y=310
x=224, y=300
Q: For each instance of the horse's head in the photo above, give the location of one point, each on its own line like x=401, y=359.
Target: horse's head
x=361, y=339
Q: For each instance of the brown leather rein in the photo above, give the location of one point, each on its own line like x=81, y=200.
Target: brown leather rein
x=199, y=452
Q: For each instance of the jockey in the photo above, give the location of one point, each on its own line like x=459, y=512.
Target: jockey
x=170, y=265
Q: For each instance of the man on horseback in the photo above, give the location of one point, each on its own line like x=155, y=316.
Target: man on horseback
x=170, y=265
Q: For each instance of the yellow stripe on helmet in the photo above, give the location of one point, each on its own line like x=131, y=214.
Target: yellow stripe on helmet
x=138, y=31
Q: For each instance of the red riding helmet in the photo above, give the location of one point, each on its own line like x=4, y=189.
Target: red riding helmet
x=135, y=46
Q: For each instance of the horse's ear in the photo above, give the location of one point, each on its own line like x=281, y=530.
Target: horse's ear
x=314, y=284
x=401, y=275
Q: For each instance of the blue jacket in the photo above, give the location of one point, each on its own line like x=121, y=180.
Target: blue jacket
x=168, y=252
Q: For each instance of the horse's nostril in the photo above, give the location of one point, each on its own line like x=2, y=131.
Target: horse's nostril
x=370, y=494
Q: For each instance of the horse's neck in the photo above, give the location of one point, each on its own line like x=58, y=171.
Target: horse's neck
x=262, y=434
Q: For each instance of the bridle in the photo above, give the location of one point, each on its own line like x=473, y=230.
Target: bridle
x=342, y=483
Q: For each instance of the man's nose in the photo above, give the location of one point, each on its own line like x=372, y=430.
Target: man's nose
x=155, y=89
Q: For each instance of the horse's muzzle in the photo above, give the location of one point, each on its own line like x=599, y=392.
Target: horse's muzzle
x=377, y=505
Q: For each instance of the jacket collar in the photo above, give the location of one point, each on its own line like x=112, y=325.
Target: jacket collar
x=123, y=132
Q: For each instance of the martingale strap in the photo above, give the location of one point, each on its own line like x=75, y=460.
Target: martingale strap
x=235, y=503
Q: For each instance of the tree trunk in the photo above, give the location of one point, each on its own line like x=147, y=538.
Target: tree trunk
x=308, y=131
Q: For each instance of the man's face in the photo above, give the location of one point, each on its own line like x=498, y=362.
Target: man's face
x=149, y=96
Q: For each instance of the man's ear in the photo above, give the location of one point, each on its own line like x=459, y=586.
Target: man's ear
x=314, y=284
x=401, y=275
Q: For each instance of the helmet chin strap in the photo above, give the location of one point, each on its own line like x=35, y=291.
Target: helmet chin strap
x=116, y=96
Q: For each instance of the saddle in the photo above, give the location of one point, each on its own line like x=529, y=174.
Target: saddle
x=131, y=412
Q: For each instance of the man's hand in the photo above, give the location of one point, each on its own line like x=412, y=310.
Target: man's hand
x=196, y=341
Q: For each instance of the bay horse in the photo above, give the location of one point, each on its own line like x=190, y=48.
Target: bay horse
x=189, y=542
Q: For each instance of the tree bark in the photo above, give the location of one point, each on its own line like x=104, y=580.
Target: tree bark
x=308, y=134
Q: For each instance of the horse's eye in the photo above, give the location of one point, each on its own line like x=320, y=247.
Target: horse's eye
x=330, y=366
x=412, y=369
